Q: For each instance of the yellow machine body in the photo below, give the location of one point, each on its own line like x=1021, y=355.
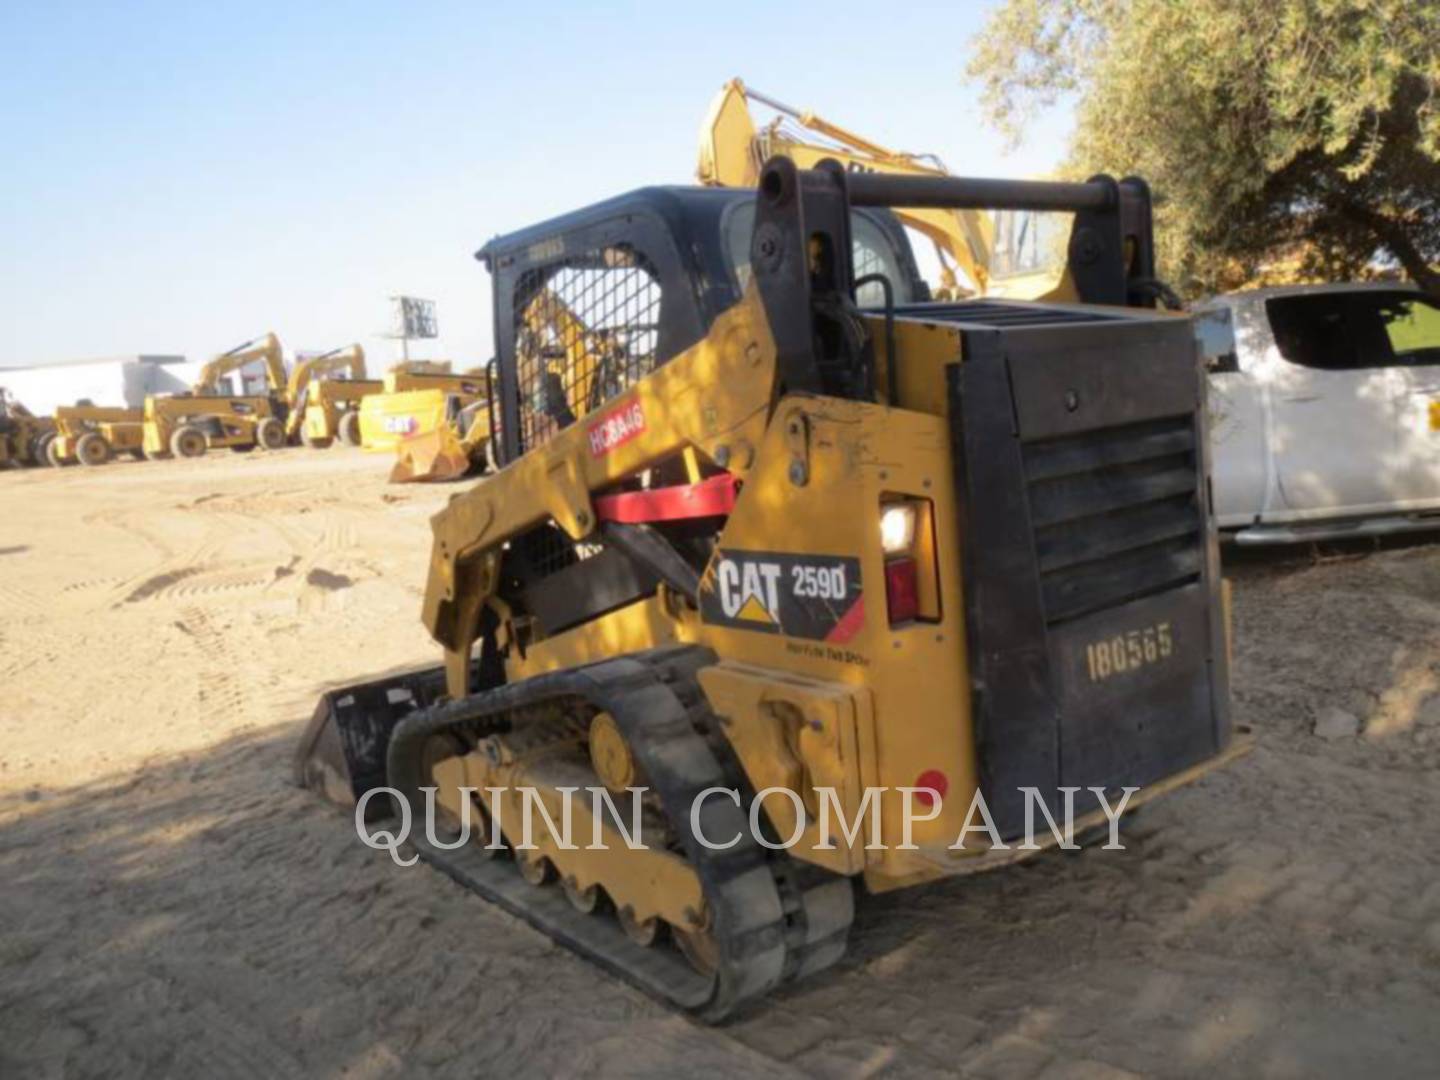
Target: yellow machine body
x=863, y=569
x=454, y=446
x=24, y=436
x=412, y=404
x=186, y=425
x=93, y=434
x=322, y=391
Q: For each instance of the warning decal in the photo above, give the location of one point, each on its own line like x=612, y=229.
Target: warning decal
x=616, y=427
x=817, y=597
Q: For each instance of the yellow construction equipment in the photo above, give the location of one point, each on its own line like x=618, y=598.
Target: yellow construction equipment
x=734, y=148
x=455, y=445
x=186, y=425
x=997, y=252
x=324, y=395
x=413, y=401
x=23, y=435
x=93, y=434
x=798, y=581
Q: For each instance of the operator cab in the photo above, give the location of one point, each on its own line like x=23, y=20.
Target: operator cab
x=588, y=303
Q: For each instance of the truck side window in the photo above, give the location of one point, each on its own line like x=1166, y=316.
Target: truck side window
x=586, y=328
x=1412, y=326
x=1343, y=331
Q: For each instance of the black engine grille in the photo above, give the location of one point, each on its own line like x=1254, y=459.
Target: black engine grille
x=1116, y=515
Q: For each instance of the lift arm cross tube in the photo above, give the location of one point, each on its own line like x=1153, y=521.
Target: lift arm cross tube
x=969, y=193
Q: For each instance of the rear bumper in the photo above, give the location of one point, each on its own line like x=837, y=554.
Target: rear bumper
x=941, y=862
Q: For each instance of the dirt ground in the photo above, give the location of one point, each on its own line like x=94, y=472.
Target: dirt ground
x=170, y=906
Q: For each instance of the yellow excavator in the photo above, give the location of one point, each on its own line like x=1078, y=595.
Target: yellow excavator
x=93, y=434
x=186, y=425
x=23, y=435
x=998, y=252
x=324, y=394
x=809, y=556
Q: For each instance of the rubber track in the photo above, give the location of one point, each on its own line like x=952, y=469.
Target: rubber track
x=773, y=918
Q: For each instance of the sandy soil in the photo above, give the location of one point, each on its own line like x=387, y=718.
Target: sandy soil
x=170, y=906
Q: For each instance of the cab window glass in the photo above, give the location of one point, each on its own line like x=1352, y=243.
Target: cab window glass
x=1349, y=331
x=872, y=253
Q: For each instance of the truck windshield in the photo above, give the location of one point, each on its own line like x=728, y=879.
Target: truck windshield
x=1342, y=331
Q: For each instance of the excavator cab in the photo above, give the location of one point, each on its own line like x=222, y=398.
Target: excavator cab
x=772, y=533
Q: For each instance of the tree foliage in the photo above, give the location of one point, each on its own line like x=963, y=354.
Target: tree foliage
x=1298, y=137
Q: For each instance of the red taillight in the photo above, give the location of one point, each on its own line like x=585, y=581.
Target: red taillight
x=902, y=590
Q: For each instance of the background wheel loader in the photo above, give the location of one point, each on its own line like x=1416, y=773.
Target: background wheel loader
x=93, y=434
x=811, y=536
x=324, y=394
x=416, y=399
x=23, y=435
x=453, y=444
x=186, y=425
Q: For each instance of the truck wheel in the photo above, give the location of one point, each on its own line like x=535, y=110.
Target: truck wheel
x=349, y=429
x=52, y=454
x=188, y=441
x=36, y=449
x=270, y=434
x=314, y=442
x=92, y=449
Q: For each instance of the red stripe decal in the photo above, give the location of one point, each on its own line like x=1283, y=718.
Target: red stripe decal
x=849, y=624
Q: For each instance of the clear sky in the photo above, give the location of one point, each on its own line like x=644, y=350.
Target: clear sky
x=179, y=177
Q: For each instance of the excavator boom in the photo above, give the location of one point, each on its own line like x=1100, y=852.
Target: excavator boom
x=266, y=349
x=733, y=148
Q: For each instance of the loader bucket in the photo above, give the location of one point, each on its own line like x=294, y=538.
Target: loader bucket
x=342, y=751
x=431, y=455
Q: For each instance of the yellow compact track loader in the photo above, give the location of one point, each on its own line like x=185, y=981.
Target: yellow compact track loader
x=186, y=425
x=93, y=434
x=414, y=402
x=808, y=549
x=324, y=395
x=23, y=435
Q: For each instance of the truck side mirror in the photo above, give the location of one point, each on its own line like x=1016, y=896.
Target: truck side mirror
x=1215, y=338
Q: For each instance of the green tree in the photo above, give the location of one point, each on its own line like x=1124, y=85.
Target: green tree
x=1299, y=132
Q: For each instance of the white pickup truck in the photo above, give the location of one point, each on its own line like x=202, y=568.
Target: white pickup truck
x=1324, y=411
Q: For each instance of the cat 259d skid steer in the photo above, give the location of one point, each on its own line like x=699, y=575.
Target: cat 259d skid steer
x=799, y=535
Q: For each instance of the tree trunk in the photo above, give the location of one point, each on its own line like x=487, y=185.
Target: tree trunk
x=1394, y=238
